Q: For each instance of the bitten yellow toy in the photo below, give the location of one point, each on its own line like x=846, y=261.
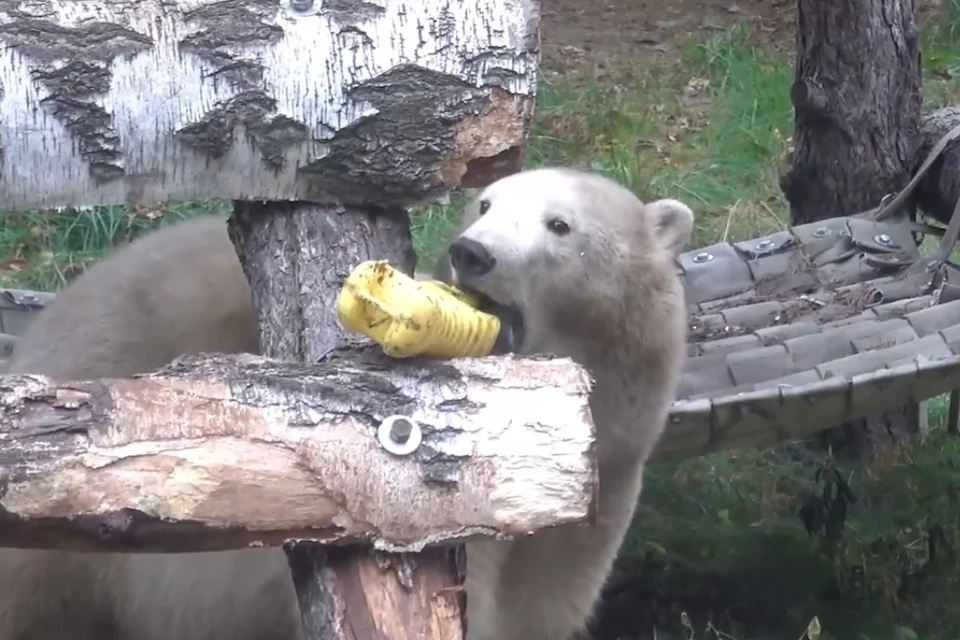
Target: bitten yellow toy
x=408, y=317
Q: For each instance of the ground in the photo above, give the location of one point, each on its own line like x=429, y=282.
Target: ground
x=625, y=37
x=689, y=99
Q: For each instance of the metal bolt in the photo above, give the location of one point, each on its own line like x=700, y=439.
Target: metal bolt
x=301, y=5
x=703, y=256
x=765, y=244
x=882, y=239
x=399, y=435
x=401, y=430
x=821, y=232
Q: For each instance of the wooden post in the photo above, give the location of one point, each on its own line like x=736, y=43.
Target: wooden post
x=296, y=257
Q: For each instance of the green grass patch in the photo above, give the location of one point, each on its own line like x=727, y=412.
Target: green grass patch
x=941, y=57
x=46, y=249
x=730, y=166
x=714, y=134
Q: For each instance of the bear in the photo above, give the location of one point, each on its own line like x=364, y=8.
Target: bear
x=578, y=265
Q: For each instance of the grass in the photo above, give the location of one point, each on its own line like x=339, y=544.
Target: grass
x=47, y=249
x=941, y=64
x=736, y=514
x=714, y=134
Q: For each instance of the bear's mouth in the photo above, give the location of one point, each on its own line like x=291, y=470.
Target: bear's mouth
x=510, y=338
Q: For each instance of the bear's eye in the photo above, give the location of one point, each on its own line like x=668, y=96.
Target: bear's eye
x=484, y=206
x=558, y=227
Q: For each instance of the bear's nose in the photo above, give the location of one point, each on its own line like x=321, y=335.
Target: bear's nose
x=471, y=258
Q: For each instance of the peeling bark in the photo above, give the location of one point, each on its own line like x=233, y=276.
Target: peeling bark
x=381, y=103
x=221, y=452
x=396, y=578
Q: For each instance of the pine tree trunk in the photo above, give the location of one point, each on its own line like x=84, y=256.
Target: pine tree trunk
x=856, y=99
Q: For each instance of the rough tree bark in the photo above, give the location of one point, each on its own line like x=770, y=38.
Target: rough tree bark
x=856, y=99
x=384, y=102
x=220, y=452
x=297, y=323
x=937, y=193
x=856, y=102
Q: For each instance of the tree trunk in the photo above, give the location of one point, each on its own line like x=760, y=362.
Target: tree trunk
x=386, y=103
x=296, y=257
x=856, y=98
x=328, y=578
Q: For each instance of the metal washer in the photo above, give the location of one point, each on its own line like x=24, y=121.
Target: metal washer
x=399, y=448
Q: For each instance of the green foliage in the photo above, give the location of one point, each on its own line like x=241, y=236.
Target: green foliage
x=940, y=45
x=46, y=249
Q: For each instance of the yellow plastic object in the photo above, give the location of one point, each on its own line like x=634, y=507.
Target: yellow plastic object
x=409, y=317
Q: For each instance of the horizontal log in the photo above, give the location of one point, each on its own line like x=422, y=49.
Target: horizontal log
x=220, y=452
x=355, y=102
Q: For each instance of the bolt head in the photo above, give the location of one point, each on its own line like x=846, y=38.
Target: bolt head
x=400, y=430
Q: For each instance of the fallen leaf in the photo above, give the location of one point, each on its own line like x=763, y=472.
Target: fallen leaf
x=13, y=265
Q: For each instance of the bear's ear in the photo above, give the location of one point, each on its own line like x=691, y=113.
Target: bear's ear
x=673, y=223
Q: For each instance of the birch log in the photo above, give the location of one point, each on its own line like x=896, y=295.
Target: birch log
x=221, y=452
x=368, y=102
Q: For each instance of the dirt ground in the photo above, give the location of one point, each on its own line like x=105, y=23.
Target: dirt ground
x=624, y=37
